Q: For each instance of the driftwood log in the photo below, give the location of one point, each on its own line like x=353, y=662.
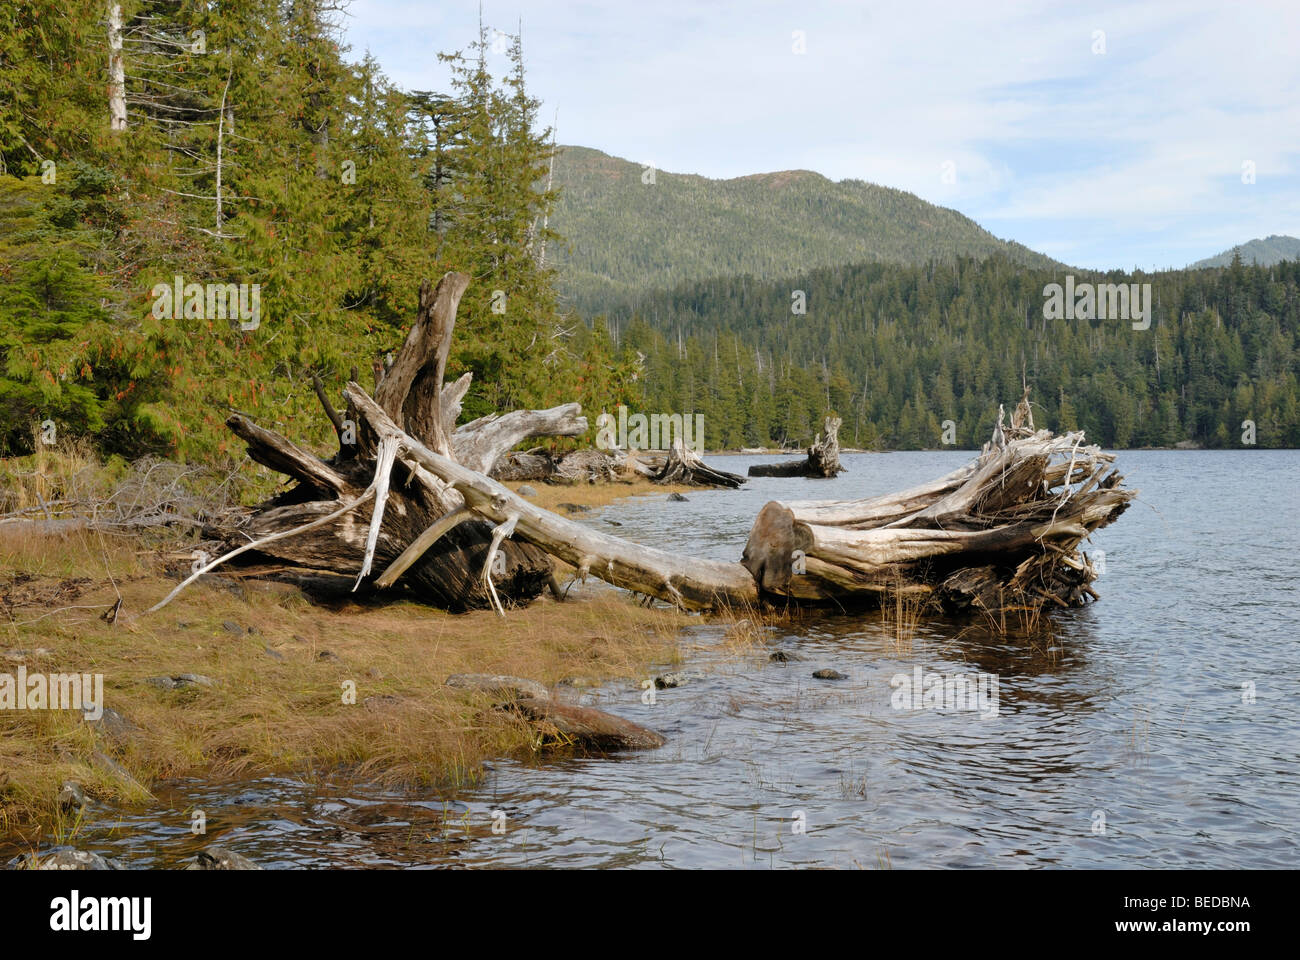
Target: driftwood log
x=412, y=393
x=1002, y=532
x=823, y=458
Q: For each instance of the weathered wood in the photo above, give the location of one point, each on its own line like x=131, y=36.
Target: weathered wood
x=1017, y=514
x=823, y=459
x=446, y=570
x=684, y=466
x=480, y=443
x=687, y=582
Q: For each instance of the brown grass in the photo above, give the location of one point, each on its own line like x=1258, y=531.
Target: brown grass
x=597, y=495
x=269, y=714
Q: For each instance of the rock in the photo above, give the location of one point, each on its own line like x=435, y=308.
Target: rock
x=677, y=498
x=71, y=797
x=328, y=656
x=499, y=685
x=572, y=508
x=64, y=859
x=587, y=727
x=102, y=761
x=221, y=858
x=181, y=680
x=113, y=725
x=830, y=675
x=231, y=627
x=669, y=680
x=526, y=491
x=274, y=654
x=783, y=656
x=18, y=656
x=382, y=701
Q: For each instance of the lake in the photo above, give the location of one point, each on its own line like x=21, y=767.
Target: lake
x=1155, y=728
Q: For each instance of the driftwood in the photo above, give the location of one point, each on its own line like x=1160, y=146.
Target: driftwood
x=823, y=458
x=406, y=500
x=360, y=481
x=1002, y=532
x=687, y=582
x=678, y=466
x=684, y=466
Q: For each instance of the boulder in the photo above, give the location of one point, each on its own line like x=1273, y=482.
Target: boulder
x=221, y=858
x=587, y=727
x=499, y=685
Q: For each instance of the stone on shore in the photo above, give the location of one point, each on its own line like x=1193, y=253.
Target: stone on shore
x=587, y=727
x=499, y=685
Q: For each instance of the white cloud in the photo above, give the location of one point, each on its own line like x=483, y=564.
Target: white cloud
x=1043, y=132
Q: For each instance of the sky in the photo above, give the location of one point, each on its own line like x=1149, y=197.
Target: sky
x=1106, y=135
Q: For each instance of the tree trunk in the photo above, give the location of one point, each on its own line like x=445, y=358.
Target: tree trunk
x=411, y=392
x=1003, y=531
x=116, y=71
x=823, y=457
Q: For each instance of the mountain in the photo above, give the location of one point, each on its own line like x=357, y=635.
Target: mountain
x=1264, y=252
x=627, y=236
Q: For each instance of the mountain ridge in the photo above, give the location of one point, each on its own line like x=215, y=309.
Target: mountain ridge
x=632, y=229
x=1263, y=251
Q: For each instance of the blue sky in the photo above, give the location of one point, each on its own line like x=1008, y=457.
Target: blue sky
x=1103, y=134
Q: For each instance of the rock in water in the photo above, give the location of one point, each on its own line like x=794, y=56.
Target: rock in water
x=830, y=675
x=65, y=859
x=499, y=685
x=71, y=797
x=677, y=498
x=221, y=858
x=584, y=726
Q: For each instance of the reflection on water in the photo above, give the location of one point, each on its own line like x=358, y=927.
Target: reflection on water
x=1121, y=737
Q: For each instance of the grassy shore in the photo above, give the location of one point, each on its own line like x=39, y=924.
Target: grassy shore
x=282, y=667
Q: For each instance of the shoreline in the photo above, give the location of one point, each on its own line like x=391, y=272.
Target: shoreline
x=240, y=677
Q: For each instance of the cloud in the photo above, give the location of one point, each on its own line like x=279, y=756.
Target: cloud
x=1114, y=157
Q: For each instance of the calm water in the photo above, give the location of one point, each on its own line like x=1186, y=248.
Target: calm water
x=1132, y=710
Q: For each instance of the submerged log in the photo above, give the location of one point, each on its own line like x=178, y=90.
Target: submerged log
x=823, y=458
x=1003, y=531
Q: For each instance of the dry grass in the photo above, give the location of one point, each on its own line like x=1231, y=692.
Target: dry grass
x=278, y=711
x=549, y=496
x=900, y=612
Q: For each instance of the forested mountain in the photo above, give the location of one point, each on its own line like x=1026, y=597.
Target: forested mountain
x=897, y=350
x=631, y=230
x=234, y=145
x=1265, y=252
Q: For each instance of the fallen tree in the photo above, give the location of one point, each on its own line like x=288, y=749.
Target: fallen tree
x=823, y=458
x=1003, y=531
x=363, y=478
x=406, y=498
